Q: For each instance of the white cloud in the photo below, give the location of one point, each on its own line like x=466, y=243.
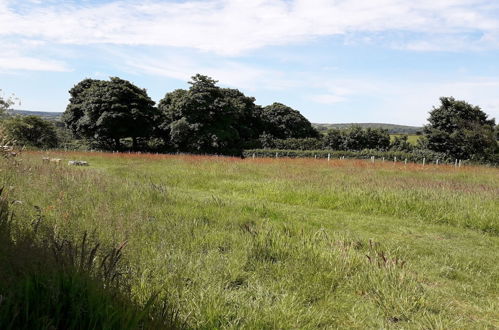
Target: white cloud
x=232, y=27
x=30, y=63
x=327, y=98
x=228, y=72
x=401, y=101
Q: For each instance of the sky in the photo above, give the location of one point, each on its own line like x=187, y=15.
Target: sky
x=336, y=61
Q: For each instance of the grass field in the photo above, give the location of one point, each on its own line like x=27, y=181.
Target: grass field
x=265, y=243
x=411, y=138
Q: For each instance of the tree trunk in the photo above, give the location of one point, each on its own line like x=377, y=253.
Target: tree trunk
x=134, y=143
x=117, y=144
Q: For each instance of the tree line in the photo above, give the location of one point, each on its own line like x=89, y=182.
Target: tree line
x=202, y=119
x=116, y=115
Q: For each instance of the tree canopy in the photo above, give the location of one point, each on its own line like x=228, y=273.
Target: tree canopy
x=31, y=131
x=357, y=138
x=460, y=130
x=107, y=111
x=207, y=118
x=283, y=122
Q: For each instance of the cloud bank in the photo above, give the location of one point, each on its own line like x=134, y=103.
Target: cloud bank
x=233, y=27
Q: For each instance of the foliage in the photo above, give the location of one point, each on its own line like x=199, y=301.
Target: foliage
x=415, y=156
x=107, y=111
x=391, y=128
x=208, y=119
x=401, y=143
x=460, y=130
x=334, y=139
x=357, y=138
x=283, y=122
x=295, y=144
x=6, y=103
x=31, y=131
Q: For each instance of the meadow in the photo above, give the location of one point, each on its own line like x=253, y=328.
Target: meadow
x=281, y=243
x=411, y=138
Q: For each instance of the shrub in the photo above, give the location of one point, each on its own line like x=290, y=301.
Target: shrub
x=416, y=156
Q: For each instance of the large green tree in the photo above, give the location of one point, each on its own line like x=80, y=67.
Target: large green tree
x=108, y=111
x=283, y=122
x=207, y=118
x=460, y=130
x=31, y=131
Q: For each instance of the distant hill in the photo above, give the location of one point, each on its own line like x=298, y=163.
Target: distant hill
x=44, y=114
x=392, y=128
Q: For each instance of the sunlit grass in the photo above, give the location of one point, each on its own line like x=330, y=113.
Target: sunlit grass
x=285, y=243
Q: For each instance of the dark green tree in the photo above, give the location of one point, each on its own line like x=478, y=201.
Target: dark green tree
x=460, y=130
x=108, y=111
x=401, y=143
x=376, y=138
x=284, y=122
x=31, y=131
x=207, y=118
x=355, y=138
x=334, y=139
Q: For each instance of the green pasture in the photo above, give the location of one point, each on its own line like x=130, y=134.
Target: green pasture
x=411, y=138
x=280, y=243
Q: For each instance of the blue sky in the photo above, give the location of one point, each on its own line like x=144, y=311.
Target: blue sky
x=337, y=61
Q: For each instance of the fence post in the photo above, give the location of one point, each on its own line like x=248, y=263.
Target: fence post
x=253, y=155
x=437, y=161
x=405, y=161
x=276, y=154
x=424, y=161
x=394, y=159
x=455, y=164
x=372, y=159
x=328, y=157
x=315, y=156
x=383, y=159
x=460, y=162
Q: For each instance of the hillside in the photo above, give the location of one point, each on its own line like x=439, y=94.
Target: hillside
x=43, y=114
x=392, y=128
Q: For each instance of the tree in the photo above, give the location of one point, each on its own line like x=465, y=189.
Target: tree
x=357, y=138
x=401, y=143
x=376, y=138
x=334, y=139
x=460, y=130
x=207, y=118
x=107, y=111
x=31, y=131
x=284, y=122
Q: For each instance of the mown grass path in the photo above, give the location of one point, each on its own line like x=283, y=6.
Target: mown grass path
x=287, y=243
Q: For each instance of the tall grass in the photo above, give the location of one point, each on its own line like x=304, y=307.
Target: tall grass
x=51, y=282
x=264, y=243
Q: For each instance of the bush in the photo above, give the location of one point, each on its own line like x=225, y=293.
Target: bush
x=416, y=156
x=31, y=131
x=296, y=144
